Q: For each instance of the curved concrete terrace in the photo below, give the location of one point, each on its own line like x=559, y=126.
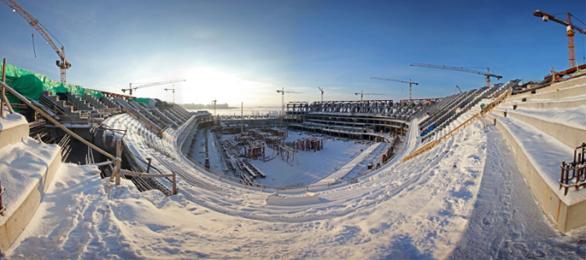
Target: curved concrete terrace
x=543, y=128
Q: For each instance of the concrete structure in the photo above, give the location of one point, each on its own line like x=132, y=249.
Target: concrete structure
x=12, y=156
x=541, y=133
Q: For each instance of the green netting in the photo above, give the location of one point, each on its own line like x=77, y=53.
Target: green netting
x=28, y=85
x=32, y=85
x=93, y=93
x=59, y=89
x=146, y=101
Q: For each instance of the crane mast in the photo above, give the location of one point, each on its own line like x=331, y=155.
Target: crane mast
x=282, y=91
x=215, y=101
x=570, y=29
x=62, y=62
x=172, y=91
x=487, y=74
x=321, y=90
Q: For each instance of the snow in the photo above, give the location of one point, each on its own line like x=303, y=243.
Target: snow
x=11, y=120
x=575, y=117
x=506, y=222
x=309, y=166
x=537, y=99
x=456, y=196
x=361, y=167
x=463, y=199
x=407, y=209
x=304, y=199
x=347, y=168
x=546, y=153
x=22, y=166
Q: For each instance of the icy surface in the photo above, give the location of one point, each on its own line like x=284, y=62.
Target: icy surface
x=410, y=209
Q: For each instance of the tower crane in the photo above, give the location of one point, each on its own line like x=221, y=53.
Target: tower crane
x=215, y=101
x=134, y=86
x=410, y=83
x=62, y=62
x=321, y=90
x=172, y=91
x=362, y=94
x=282, y=91
x=487, y=74
x=570, y=28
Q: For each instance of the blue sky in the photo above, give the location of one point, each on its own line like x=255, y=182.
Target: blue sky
x=244, y=50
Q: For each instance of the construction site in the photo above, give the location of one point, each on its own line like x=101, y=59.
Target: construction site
x=492, y=171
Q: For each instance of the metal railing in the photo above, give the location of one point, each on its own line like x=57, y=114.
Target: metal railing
x=2, y=208
x=172, y=175
x=573, y=174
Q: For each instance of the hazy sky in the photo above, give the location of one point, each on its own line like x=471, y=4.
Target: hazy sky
x=244, y=50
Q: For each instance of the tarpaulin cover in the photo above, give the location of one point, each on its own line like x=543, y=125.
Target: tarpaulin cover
x=146, y=101
x=32, y=85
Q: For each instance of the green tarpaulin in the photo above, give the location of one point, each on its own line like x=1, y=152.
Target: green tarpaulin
x=32, y=85
x=146, y=101
x=28, y=85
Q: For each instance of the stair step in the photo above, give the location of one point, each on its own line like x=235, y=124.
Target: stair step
x=567, y=102
x=569, y=128
x=27, y=171
x=544, y=151
x=13, y=128
x=556, y=91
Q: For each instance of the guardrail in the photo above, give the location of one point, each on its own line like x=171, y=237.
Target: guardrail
x=173, y=177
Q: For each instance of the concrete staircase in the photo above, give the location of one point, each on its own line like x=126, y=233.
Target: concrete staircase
x=27, y=168
x=543, y=129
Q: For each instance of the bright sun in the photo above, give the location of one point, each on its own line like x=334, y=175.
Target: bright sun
x=205, y=84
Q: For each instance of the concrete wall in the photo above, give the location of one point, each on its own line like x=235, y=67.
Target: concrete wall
x=569, y=135
x=576, y=216
x=550, y=105
x=553, y=207
x=13, y=134
x=14, y=224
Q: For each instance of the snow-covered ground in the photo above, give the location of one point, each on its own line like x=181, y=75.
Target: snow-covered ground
x=410, y=209
x=422, y=208
x=309, y=167
x=344, y=156
x=506, y=222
